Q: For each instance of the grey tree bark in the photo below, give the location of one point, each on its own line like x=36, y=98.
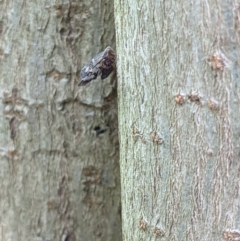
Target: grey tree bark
x=179, y=96
x=59, y=170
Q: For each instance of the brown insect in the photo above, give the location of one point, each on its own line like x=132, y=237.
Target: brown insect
x=101, y=65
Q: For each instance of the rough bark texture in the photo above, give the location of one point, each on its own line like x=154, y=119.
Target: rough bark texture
x=59, y=146
x=179, y=95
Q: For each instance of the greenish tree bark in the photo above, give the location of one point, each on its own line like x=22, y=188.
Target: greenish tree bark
x=179, y=95
x=59, y=144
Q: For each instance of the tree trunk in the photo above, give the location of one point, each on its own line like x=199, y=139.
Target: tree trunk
x=59, y=145
x=179, y=95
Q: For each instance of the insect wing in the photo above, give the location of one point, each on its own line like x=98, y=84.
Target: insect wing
x=101, y=65
x=89, y=72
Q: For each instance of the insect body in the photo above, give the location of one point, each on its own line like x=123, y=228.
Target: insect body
x=101, y=65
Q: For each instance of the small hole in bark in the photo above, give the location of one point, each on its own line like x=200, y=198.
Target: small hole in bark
x=99, y=131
